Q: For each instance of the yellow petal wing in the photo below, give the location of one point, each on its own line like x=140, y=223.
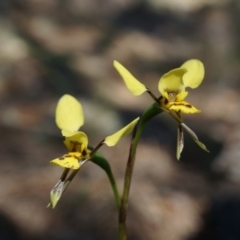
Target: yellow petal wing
x=69, y=113
x=195, y=74
x=76, y=142
x=181, y=96
x=113, y=139
x=171, y=82
x=183, y=107
x=136, y=87
x=70, y=160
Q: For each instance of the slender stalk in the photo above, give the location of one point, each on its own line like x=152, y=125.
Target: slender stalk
x=97, y=147
x=64, y=174
x=98, y=159
x=152, y=111
x=127, y=183
x=153, y=96
x=180, y=138
x=115, y=189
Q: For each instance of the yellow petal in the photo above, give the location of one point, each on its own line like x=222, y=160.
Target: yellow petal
x=165, y=95
x=70, y=160
x=113, y=139
x=171, y=82
x=181, y=96
x=69, y=113
x=76, y=142
x=183, y=107
x=67, y=133
x=195, y=74
x=136, y=87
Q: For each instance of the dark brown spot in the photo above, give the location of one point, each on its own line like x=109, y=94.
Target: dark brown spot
x=165, y=101
x=61, y=158
x=76, y=146
x=184, y=105
x=84, y=152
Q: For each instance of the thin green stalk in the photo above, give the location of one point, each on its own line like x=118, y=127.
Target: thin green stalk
x=98, y=159
x=152, y=111
x=115, y=190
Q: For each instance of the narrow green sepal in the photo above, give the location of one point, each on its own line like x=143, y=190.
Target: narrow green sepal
x=56, y=194
x=194, y=137
x=180, y=141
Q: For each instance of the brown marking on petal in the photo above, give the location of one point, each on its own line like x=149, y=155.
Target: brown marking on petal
x=75, y=157
x=165, y=101
x=61, y=158
x=67, y=155
x=76, y=145
x=184, y=105
x=84, y=152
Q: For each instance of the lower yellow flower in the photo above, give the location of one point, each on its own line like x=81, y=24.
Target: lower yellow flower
x=69, y=117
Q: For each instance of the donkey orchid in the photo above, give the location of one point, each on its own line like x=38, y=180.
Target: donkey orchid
x=69, y=118
x=172, y=86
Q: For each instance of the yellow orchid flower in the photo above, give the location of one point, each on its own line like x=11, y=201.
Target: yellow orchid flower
x=171, y=85
x=69, y=118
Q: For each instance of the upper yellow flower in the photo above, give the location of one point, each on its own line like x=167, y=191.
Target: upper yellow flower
x=171, y=85
x=69, y=118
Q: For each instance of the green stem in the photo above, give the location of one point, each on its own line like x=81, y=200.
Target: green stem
x=98, y=159
x=115, y=189
x=152, y=111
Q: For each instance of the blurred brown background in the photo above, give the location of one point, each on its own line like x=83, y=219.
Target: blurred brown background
x=49, y=48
